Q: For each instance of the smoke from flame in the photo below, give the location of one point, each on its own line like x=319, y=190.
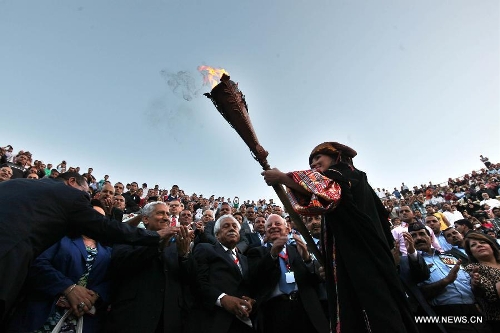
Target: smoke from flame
x=211, y=75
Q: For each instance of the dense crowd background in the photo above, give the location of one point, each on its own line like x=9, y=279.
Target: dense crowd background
x=466, y=194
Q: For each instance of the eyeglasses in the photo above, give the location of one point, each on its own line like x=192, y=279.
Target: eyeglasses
x=118, y=186
x=432, y=221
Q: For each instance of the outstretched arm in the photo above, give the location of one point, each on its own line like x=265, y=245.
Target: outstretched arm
x=275, y=177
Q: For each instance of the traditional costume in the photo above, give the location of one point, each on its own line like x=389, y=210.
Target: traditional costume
x=364, y=290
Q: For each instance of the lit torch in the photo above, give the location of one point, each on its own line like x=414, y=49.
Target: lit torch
x=211, y=75
x=231, y=104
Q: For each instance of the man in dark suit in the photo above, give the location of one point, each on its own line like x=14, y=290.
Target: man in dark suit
x=256, y=238
x=35, y=215
x=151, y=286
x=285, y=283
x=223, y=282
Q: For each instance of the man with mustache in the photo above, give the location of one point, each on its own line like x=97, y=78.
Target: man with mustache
x=224, y=286
x=448, y=289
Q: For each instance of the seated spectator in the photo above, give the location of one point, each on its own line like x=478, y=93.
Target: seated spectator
x=488, y=201
x=496, y=219
x=432, y=222
x=451, y=215
x=443, y=221
x=456, y=240
x=485, y=275
x=464, y=226
x=448, y=288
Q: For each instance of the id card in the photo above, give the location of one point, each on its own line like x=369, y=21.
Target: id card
x=289, y=277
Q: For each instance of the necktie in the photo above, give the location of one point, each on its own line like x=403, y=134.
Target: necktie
x=173, y=223
x=234, y=258
x=285, y=288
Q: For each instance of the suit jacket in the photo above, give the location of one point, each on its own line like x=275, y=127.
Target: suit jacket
x=253, y=240
x=52, y=272
x=148, y=283
x=217, y=274
x=37, y=214
x=459, y=255
x=265, y=276
x=207, y=236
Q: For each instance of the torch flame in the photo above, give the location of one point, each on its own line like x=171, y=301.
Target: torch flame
x=211, y=75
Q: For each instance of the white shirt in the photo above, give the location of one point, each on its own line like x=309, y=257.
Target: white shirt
x=453, y=216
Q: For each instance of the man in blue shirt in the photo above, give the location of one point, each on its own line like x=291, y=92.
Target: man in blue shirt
x=448, y=289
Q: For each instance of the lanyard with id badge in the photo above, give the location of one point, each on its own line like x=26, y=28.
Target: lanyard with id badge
x=289, y=276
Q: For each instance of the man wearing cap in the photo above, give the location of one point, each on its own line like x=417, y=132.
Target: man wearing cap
x=448, y=289
x=370, y=295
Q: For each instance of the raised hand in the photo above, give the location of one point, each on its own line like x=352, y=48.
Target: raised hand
x=452, y=275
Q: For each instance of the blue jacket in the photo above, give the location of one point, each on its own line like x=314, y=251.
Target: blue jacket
x=52, y=272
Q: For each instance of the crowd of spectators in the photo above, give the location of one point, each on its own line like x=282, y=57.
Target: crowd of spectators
x=424, y=219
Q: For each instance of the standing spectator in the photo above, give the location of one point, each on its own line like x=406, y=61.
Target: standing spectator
x=151, y=285
x=174, y=193
x=485, y=160
x=61, y=167
x=281, y=298
x=55, y=208
x=132, y=199
x=224, y=284
x=19, y=166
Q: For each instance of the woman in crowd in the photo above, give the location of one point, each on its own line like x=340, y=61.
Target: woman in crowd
x=484, y=268
x=69, y=276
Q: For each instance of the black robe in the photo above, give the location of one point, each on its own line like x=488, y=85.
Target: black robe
x=367, y=287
